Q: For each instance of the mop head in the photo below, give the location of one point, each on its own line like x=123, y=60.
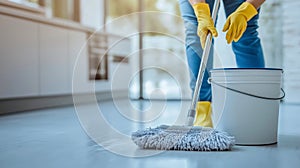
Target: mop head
x=183, y=138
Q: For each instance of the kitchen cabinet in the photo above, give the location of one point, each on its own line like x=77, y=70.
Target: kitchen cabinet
x=19, y=56
x=54, y=60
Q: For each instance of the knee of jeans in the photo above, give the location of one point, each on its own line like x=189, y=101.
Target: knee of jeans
x=191, y=27
x=191, y=36
x=251, y=43
x=252, y=24
x=248, y=40
x=250, y=33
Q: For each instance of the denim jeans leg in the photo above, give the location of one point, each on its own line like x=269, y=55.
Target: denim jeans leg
x=248, y=50
x=194, y=50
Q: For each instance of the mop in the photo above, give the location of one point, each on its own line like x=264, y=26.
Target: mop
x=187, y=137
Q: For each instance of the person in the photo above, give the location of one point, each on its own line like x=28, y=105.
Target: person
x=241, y=31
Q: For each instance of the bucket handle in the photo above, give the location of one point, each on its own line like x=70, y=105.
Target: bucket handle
x=248, y=94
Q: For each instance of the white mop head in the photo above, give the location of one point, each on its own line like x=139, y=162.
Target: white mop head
x=183, y=138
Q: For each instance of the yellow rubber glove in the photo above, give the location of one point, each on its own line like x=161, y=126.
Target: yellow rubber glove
x=203, y=114
x=205, y=22
x=236, y=23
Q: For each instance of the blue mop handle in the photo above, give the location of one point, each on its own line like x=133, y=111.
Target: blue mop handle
x=205, y=54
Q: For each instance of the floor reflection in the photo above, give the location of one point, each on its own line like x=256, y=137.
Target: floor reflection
x=64, y=137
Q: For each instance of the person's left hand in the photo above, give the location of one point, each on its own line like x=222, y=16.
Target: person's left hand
x=236, y=23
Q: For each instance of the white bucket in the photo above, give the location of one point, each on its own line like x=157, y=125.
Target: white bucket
x=252, y=120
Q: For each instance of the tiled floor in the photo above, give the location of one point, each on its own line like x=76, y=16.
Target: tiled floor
x=90, y=137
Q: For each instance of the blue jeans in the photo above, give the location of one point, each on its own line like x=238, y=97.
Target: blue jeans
x=247, y=50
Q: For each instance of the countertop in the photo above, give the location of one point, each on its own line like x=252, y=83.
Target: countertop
x=38, y=15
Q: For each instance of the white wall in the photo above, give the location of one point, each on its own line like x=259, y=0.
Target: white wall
x=270, y=31
x=291, y=49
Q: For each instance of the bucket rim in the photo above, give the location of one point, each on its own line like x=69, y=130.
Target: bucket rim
x=217, y=69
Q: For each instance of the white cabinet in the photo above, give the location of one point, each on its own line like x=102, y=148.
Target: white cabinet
x=19, y=66
x=40, y=59
x=54, y=60
x=79, y=62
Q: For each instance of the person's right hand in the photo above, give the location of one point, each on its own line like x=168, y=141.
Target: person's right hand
x=236, y=23
x=205, y=22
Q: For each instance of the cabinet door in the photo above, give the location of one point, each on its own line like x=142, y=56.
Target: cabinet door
x=18, y=58
x=54, y=60
x=78, y=54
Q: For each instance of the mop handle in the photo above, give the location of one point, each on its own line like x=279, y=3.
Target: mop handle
x=205, y=55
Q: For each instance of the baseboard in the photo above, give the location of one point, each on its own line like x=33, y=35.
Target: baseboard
x=32, y=103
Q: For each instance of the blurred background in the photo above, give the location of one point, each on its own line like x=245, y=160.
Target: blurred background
x=53, y=49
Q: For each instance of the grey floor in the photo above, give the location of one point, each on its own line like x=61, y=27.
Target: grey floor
x=97, y=135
